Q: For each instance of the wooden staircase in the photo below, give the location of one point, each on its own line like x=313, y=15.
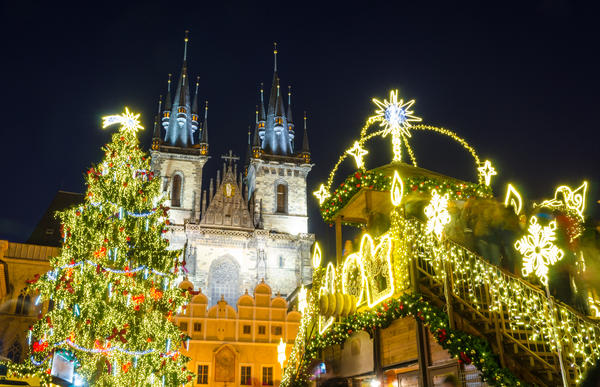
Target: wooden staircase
x=511, y=313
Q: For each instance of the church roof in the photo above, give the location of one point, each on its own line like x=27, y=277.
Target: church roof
x=227, y=208
x=47, y=231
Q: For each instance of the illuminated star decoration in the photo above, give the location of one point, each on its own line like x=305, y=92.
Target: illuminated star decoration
x=395, y=117
x=129, y=121
x=357, y=152
x=538, y=250
x=437, y=214
x=281, y=352
x=487, y=171
x=321, y=194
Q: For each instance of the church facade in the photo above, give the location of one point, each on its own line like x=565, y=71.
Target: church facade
x=248, y=224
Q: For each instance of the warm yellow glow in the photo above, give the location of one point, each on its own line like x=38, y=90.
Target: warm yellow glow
x=513, y=198
x=316, y=259
x=437, y=214
x=357, y=152
x=487, y=171
x=281, y=352
x=321, y=194
x=302, y=299
x=129, y=121
x=377, y=268
x=538, y=250
x=327, y=288
x=395, y=115
x=572, y=200
x=397, y=190
x=353, y=277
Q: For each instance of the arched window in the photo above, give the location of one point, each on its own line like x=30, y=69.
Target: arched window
x=23, y=302
x=176, y=191
x=14, y=352
x=282, y=198
x=223, y=280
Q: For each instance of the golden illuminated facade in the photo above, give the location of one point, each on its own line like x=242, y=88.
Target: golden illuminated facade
x=237, y=345
x=19, y=262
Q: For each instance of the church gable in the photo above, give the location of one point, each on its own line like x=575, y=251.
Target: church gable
x=227, y=207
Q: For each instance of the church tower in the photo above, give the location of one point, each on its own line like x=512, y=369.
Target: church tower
x=178, y=151
x=276, y=172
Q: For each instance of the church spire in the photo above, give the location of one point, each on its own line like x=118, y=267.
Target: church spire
x=195, y=103
x=275, y=55
x=305, y=153
x=156, y=135
x=204, y=139
x=262, y=116
x=289, y=109
x=178, y=119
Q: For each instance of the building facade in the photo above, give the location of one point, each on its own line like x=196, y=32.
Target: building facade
x=236, y=344
x=19, y=263
x=246, y=225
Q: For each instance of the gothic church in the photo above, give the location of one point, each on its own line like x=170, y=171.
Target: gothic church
x=243, y=227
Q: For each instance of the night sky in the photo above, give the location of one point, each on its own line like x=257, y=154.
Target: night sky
x=518, y=81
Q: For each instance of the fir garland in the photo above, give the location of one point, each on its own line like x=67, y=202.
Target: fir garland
x=377, y=181
x=468, y=349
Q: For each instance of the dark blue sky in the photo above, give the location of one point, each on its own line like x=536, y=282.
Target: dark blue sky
x=519, y=80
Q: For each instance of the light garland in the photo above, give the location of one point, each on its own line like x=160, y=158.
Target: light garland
x=487, y=171
x=117, y=325
x=513, y=198
x=538, y=250
x=572, y=200
x=437, y=214
x=357, y=152
x=128, y=121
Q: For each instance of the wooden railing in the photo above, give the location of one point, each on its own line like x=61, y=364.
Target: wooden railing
x=512, y=313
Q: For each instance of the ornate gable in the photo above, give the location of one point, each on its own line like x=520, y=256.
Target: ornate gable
x=227, y=207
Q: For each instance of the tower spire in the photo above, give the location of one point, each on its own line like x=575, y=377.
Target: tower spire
x=195, y=103
x=204, y=139
x=305, y=148
x=263, y=115
x=186, y=39
x=289, y=109
x=275, y=56
x=157, y=117
x=168, y=99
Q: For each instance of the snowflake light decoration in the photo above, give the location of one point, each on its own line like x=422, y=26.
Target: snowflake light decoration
x=321, y=194
x=357, y=152
x=487, y=171
x=437, y=214
x=129, y=121
x=538, y=250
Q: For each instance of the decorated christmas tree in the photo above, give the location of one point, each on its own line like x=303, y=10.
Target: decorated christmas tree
x=110, y=290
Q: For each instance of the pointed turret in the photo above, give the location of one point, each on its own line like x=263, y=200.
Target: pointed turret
x=275, y=138
x=180, y=127
x=195, y=108
x=204, y=137
x=166, y=114
x=290, y=122
x=305, y=153
x=156, y=135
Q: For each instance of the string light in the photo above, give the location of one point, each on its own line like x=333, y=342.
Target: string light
x=357, y=152
x=487, y=171
x=437, y=214
x=513, y=198
x=573, y=200
x=129, y=121
x=321, y=194
x=538, y=250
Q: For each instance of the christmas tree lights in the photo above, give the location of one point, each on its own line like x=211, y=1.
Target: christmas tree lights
x=112, y=281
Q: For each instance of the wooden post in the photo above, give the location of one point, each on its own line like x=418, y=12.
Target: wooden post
x=422, y=345
x=377, y=363
x=338, y=241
